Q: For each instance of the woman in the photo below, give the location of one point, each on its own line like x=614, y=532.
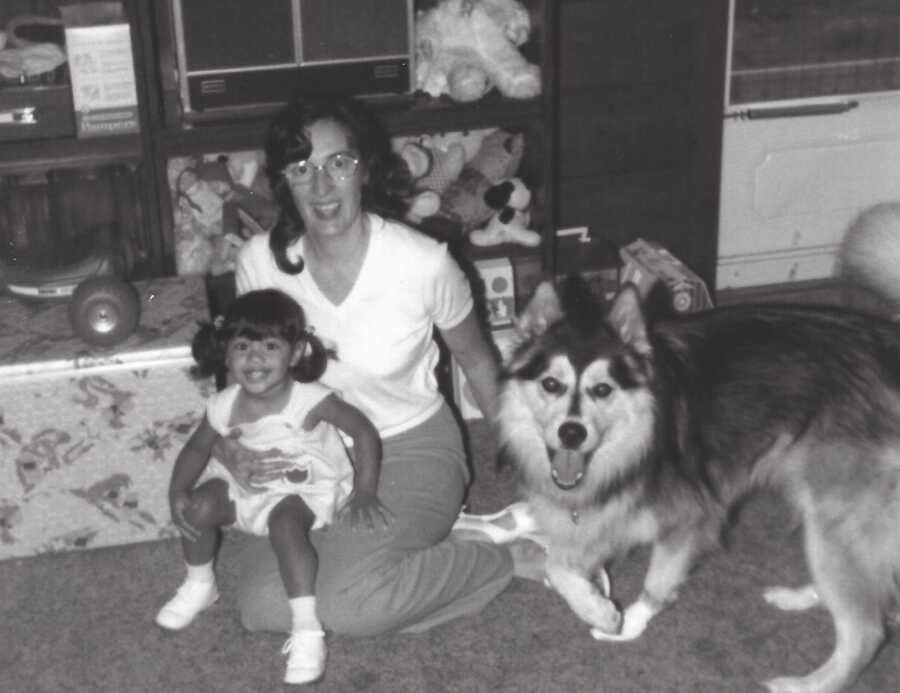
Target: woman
x=374, y=290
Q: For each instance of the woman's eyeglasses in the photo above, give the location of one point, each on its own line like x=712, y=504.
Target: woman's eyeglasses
x=339, y=166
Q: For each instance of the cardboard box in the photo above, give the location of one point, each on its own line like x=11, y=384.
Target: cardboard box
x=101, y=66
x=499, y=290
x=595, y=260
x=646, y=263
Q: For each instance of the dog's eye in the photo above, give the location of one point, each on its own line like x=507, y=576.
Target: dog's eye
x=600, y=391
x=553, y=386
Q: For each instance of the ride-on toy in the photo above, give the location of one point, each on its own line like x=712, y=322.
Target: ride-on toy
x=103, y=307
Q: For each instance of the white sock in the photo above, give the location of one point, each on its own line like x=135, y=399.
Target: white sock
x=201, y=573
x=303, y=614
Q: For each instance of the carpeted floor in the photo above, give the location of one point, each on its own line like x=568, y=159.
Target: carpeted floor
x=82, y=622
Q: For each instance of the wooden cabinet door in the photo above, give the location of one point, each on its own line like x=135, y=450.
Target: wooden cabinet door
x=811, y=133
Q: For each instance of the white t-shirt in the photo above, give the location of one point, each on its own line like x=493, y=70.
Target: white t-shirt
x=383, y=330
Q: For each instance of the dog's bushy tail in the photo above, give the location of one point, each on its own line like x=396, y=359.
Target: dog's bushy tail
x=869, y=256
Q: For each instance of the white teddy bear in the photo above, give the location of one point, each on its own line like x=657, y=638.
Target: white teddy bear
x=466, y=47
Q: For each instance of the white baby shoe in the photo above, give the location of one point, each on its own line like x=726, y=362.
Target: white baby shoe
x=191, y=598
x=306, y=656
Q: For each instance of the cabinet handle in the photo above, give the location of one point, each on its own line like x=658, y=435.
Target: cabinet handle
x=24, y=115
x=812, y=109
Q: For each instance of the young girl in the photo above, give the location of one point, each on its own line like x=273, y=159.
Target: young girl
x=271, y=414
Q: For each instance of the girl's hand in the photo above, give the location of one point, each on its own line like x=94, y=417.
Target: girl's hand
x=180, y=501
x=364, y=511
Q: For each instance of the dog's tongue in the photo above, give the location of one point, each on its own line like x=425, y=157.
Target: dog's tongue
x=568, y=468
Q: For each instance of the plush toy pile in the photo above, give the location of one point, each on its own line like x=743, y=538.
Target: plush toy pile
x=465, y=48
x=219, y=202
x=467, y=181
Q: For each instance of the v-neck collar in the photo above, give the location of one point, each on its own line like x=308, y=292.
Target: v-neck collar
x=374, y=225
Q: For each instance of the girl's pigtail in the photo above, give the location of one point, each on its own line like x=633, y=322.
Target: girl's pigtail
x=206, y=348
x=314, y=360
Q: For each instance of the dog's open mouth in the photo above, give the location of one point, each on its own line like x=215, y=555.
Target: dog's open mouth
x=567, y=468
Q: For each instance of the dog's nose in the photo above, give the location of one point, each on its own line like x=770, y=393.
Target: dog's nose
x=572, y=434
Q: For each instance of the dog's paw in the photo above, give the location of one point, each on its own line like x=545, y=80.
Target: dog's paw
x=634, y=623
x=585, y=598
x=792, y=598
x=603, y=616
x=597, y=611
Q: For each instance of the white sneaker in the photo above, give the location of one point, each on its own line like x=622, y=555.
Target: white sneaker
x=306, y=656
x=191, y=598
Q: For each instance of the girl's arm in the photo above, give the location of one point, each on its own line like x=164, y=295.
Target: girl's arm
x=363, y=505
x=189, y=464
x=193, y=458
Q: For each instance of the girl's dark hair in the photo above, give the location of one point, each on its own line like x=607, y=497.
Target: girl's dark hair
x=257, y=315
x=388, y=184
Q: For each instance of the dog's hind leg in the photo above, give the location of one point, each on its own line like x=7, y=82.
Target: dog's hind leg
x=848, y=593
x=670, y=562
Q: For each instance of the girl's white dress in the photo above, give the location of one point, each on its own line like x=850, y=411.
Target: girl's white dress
x=321, y=475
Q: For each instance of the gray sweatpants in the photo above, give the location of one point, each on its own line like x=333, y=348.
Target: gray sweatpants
x=410, y=576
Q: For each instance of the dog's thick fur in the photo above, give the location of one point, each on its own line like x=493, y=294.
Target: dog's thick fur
x=629, y=432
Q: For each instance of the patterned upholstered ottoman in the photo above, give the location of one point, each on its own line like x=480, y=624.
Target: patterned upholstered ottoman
x=88, y=436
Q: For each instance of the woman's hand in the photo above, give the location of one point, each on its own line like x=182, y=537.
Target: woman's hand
x=364, y=511
x=252, y=469
x=179, y=502
x=269, y=466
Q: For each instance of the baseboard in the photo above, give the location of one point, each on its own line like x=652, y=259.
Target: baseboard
x=832, y=291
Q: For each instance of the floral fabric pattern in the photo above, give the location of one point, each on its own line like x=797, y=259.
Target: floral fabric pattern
x=88, y=436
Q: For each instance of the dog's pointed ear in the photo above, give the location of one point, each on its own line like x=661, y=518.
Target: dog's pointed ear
x=542, y=310
x=626, y=317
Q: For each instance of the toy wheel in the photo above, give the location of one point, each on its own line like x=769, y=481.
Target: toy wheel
x=104, y=310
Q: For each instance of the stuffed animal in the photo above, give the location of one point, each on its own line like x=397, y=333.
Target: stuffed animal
x=433, y=171
x=511, y=199
x=433, y=168
x=216, y=215
x=463, y=202
x=470, y=140
x=424, y=204
x=464, y=48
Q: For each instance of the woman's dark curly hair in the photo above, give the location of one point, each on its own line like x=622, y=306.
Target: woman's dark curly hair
x=388, y=181
x=257, y=315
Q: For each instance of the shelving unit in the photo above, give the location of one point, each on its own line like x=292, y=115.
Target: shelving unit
x=168, y=132
x=177, y=134
x=31, y=155
x=34, y=154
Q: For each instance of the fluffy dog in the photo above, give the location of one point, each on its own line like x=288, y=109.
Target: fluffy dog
x=627, y=431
